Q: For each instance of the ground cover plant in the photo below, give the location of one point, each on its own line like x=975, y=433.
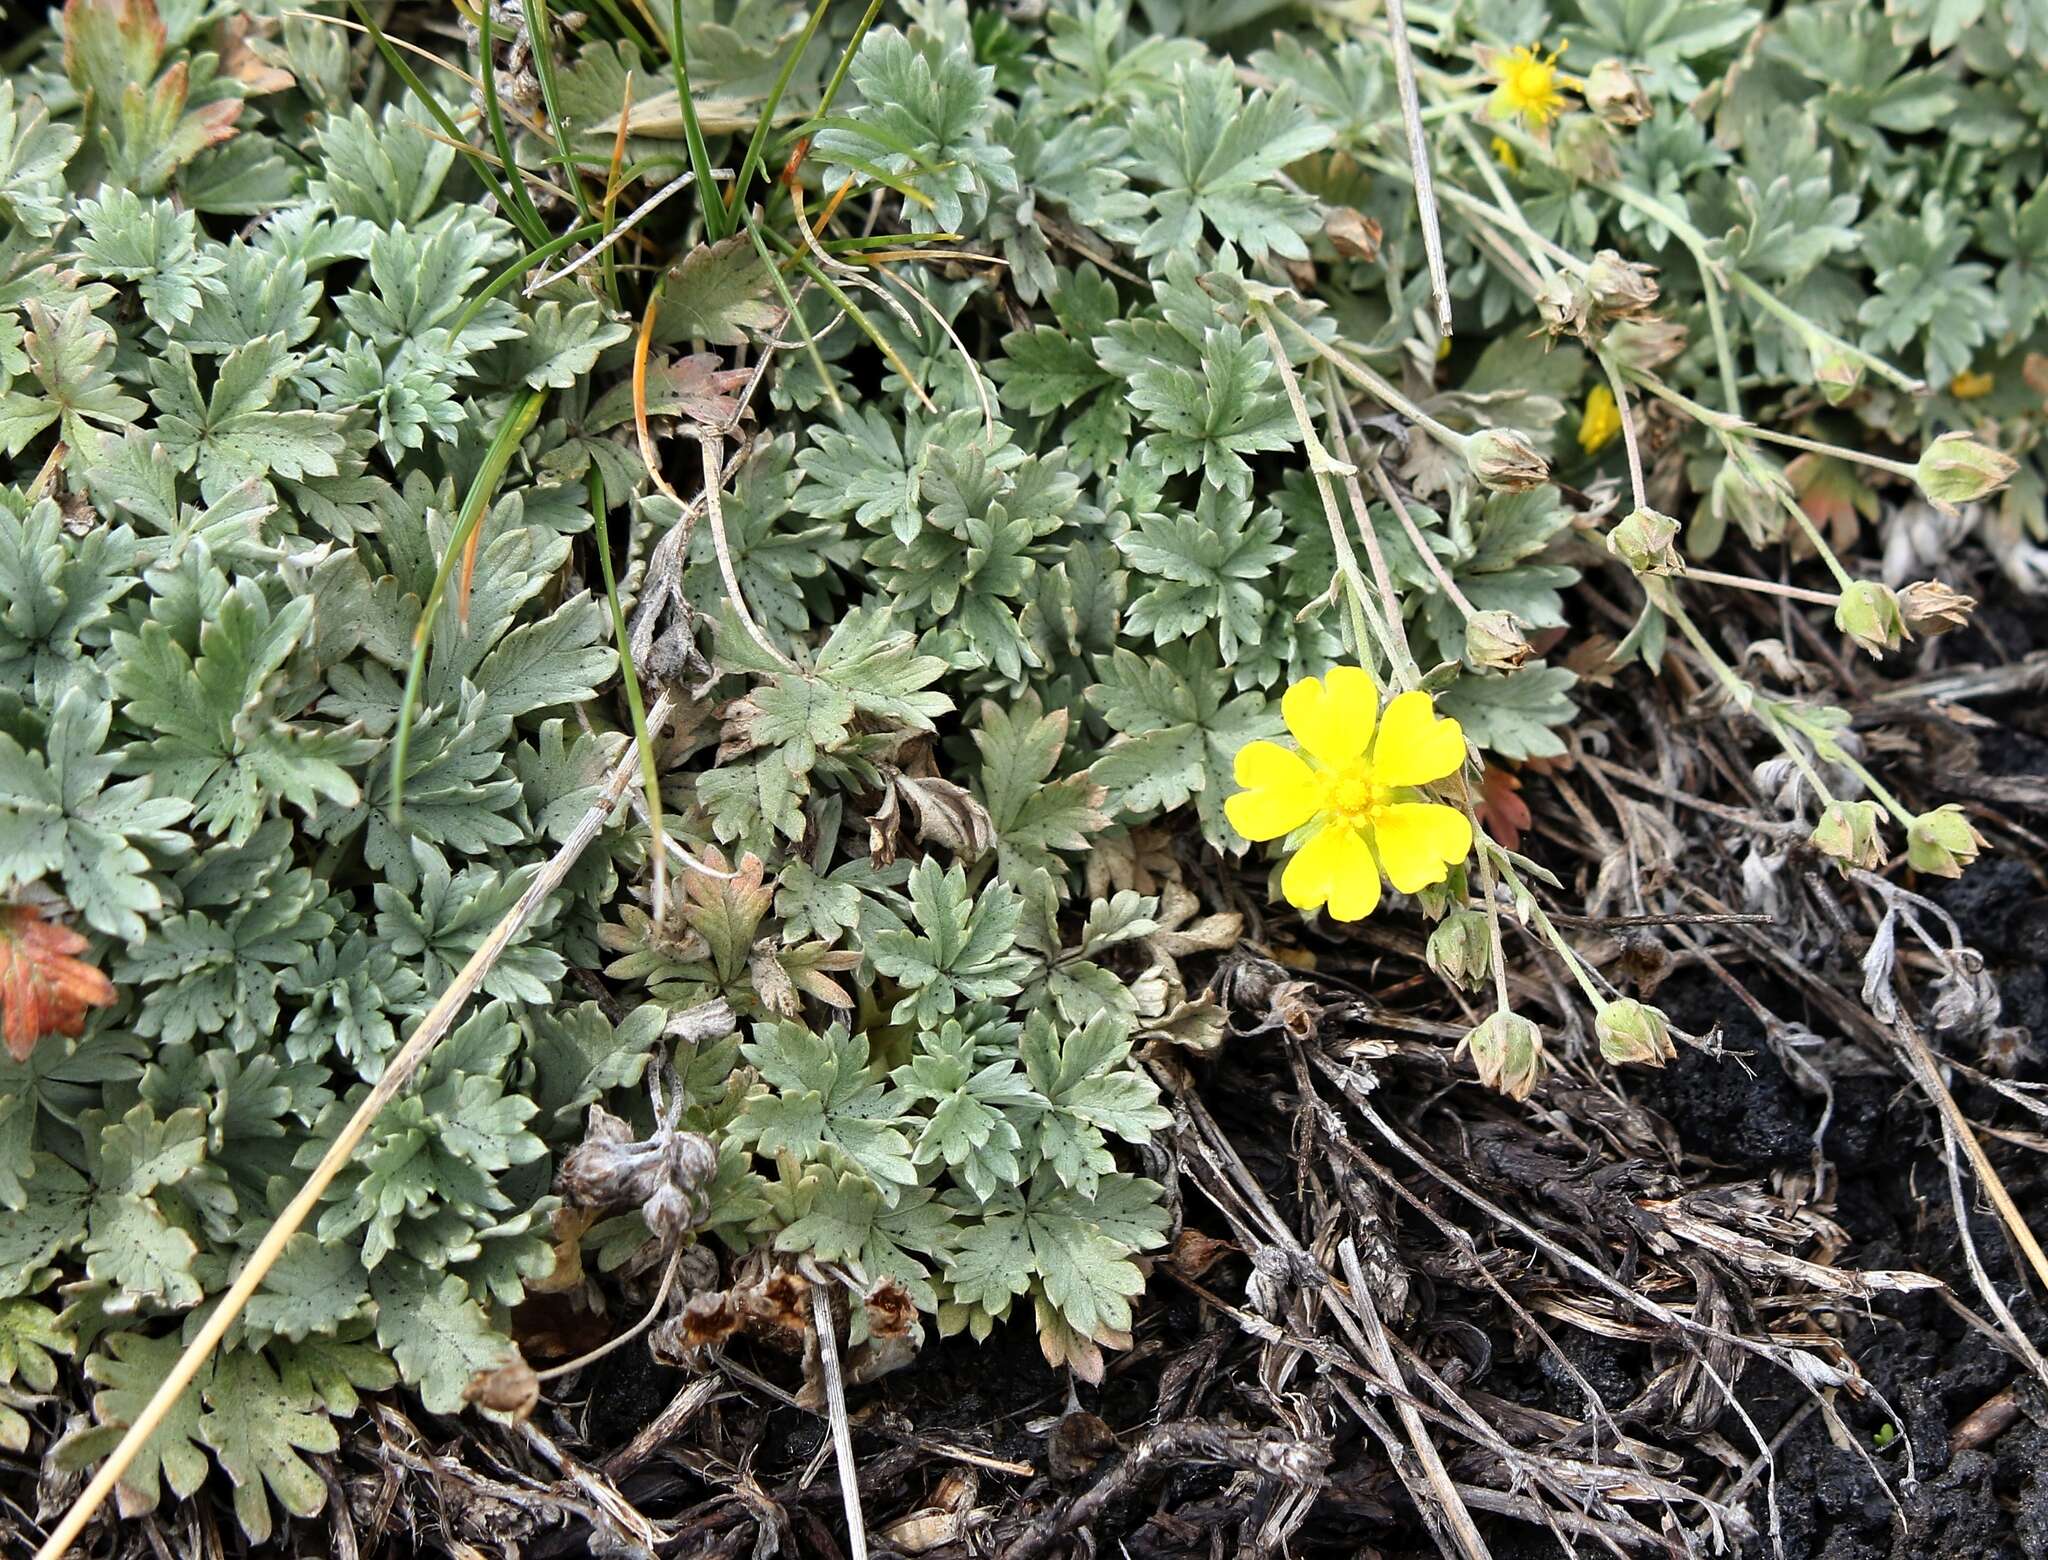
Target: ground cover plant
x=694, y=667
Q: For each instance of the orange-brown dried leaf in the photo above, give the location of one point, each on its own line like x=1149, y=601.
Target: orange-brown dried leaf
x=1501, y=808
x=1834, y=496
x=44, y=988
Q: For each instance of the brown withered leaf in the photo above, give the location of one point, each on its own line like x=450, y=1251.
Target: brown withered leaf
x=252, y=67
x=1501, y=807
x=512, y=1388
x=45, y=989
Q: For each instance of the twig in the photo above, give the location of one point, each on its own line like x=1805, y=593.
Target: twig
x=437, y=1022
x=1418, y=159
x=842, y=1432
x=668, y=1280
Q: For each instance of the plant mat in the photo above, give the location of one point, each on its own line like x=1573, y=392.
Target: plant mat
x=1735, y=1306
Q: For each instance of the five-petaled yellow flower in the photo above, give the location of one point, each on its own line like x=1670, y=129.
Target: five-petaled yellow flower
x=1600, y=422
x=1529, y=87
x=1358, y=789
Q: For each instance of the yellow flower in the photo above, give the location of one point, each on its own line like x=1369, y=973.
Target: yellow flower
x=1504, y=154
x=1601, y=422
x=1530, y=87
x=1358, y=790
x=1967, y=386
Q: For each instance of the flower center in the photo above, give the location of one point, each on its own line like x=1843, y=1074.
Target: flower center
x=1350, y=794
x=1529, y=82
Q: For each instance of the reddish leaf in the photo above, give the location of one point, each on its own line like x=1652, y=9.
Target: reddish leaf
x=1833, y=495
x=44, y=990
x=1502, y=809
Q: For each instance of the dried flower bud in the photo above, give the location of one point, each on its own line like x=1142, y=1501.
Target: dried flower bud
x=1504, y=461
x=1932, y=608
x=1461, y=949
x=1644, y=344
x=1507, y=1052
x=1565, y=304
x=1585, y=150
x=1494, y=641
x=1847, y=834
x=1645, y=541
x=512, y=1388
x=1352, y=233
x=1868, y=612
x=1621, y=289
x=1956, y=469
x=1632, y=1031
x=667, y=1176
x=1942, y=842
x=1615, y=95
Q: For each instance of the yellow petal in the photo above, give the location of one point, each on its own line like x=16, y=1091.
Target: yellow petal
x=1419, y=842
x=1416, y=744
x=1335, y=868
x=1280, y=792
x=1332, y=718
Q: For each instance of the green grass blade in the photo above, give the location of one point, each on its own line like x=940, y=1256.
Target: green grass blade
x=449, y=128
x=717, y=220
x=518, y=422
x=795, y=318
x=758, y=143
x=540, y=33
x=650, y=780
x=494, y=116
x=519, y=268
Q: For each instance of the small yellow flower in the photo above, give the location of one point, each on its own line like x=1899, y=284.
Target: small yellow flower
x=1968, y=386
x=1601, y=422
x=1504, y=154
x=1530, y=87
x=1358, y=790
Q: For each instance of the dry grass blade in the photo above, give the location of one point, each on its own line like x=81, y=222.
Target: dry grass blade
x=1418, y=158
x=842, y=1432
x=402, y=1067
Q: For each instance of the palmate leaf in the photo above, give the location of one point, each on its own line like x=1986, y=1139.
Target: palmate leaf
x=63, y=819
x=68, y=354
x=236, y=431
x=33, y=152
x=819, y=1092
x=963, y=949
x=1214, y=156
x=844, y=1218
x=1033, y=815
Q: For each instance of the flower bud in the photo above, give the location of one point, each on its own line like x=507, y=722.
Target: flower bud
x=1644, y=344
x=1615, y=95
x=1507, y=1053
x=1747, y=489
x=1632, y=1031
x=1645, y=541
x=1494, y=641
x=1621, y=289
x=1837, y=370
x=1585, y=150
x=1930, y=607
x=1868, y=612
x=1504, y=461
x=1956, y=469
x=1942, y=842
x=1461, y=949
x=1847, y=834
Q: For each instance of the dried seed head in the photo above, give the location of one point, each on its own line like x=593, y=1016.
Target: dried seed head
x=1615, y=95
x=1647, y=343
x=1461, y=949
x=1621, y=289
x=1930, y=607
x=1847, y=834
x=1646, y=541
x=1504, y=461
x=1352, y=233
x=667, y=1176
x=1494, y=641
x=1956, y=469
x=1507, y=1052
x=1869, y=613
x=1632, y=1031
x=1565, y=304
x=1942, y=842
x=1585, y=149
